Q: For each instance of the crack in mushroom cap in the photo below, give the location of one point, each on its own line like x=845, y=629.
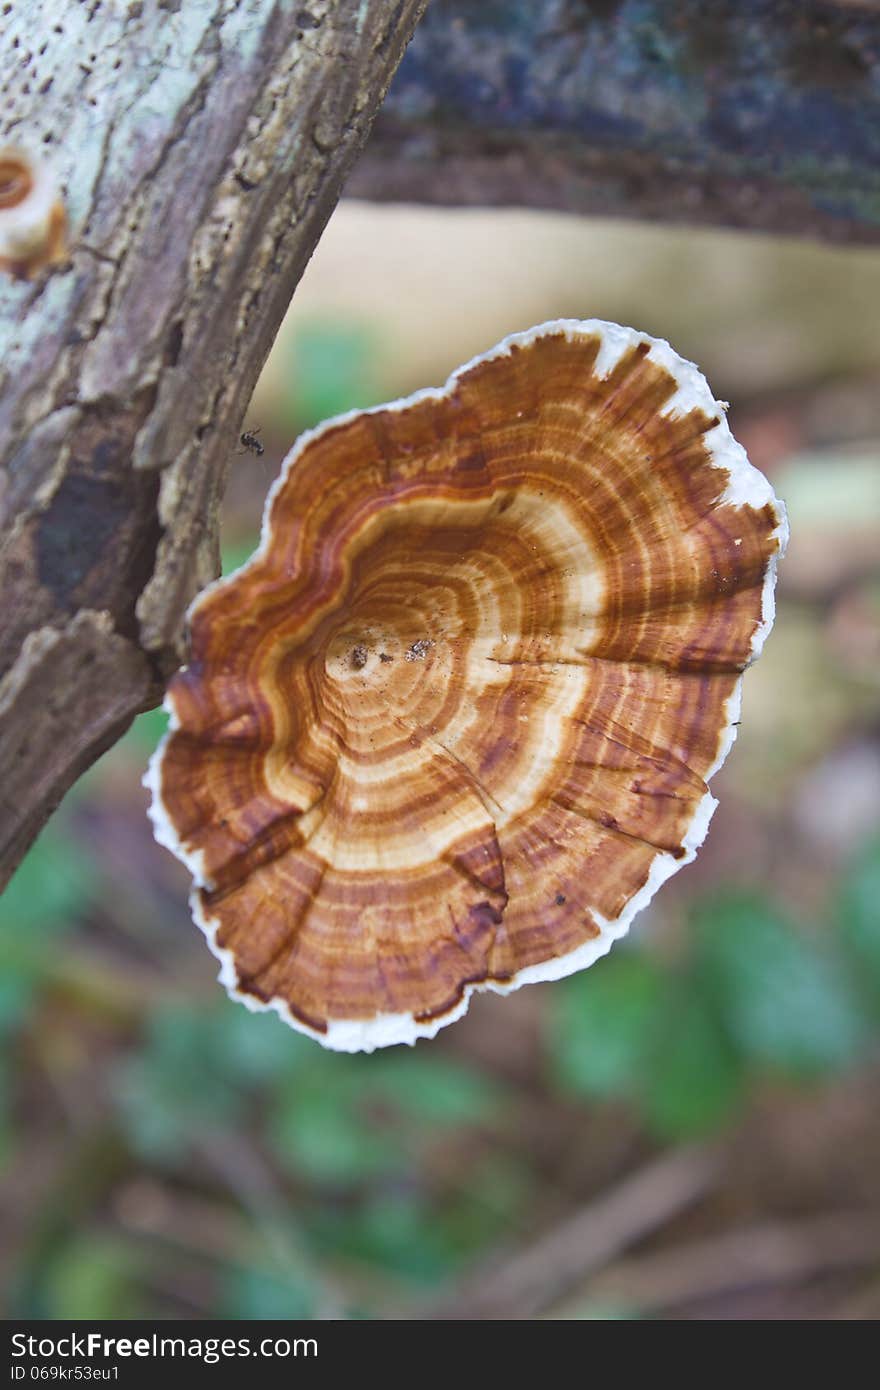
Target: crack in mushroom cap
x=452, y=725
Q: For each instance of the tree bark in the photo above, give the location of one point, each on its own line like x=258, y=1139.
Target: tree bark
x=762, y=114
x=201, y=147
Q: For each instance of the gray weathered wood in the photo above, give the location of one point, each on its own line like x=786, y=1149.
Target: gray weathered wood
x=762, y=114
x=201, y=145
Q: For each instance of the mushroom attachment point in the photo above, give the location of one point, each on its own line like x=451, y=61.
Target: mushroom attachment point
x=452, y=726
x=33, y=222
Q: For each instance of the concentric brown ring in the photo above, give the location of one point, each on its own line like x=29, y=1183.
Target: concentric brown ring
x=453, y=724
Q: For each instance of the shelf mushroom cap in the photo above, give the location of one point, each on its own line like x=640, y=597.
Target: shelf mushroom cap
x=452, y=725
x=33, y=221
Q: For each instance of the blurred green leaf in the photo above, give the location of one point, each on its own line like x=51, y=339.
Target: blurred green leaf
x=6, y=1137
x=16, y=992
x=177, y=1085
x=398, y=1231
x=200, y=1068
x=258, y=1293
x=693, y=1078
x=404, y=1229
x=430, y=1090
x=830, y=490
x=346, y=1120
x=331, y=370
x=234, y=556
x=55, y=881
x=146, y=731
x=318, y=1127
x=603, y=1024
x=594, y=1311
x=395, y=1230
x=92, y=1277
x=783, y=999
x=490, y=1202
x=256, y=1049
x=859, y=915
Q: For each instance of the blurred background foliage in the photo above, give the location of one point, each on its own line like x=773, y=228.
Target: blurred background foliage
x=165, y=1153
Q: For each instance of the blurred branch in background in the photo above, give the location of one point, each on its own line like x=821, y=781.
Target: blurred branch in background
x=756, y=1257
x=763, y=115
x=530, y=1282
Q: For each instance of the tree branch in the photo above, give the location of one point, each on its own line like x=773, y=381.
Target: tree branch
x=764, y=115
x=530, y=1280
x=719, y=1266
x=201, y=148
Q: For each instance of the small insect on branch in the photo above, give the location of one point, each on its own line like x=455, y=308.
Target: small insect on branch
x=251, y=443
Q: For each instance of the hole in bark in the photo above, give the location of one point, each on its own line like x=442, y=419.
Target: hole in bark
x=174, y=344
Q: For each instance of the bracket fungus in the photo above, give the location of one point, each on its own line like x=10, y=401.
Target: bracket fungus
x=33, y=222
x=452, y=725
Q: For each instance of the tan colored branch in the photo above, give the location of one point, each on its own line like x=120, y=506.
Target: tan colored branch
x=784, y=1252
x=532, y=1280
